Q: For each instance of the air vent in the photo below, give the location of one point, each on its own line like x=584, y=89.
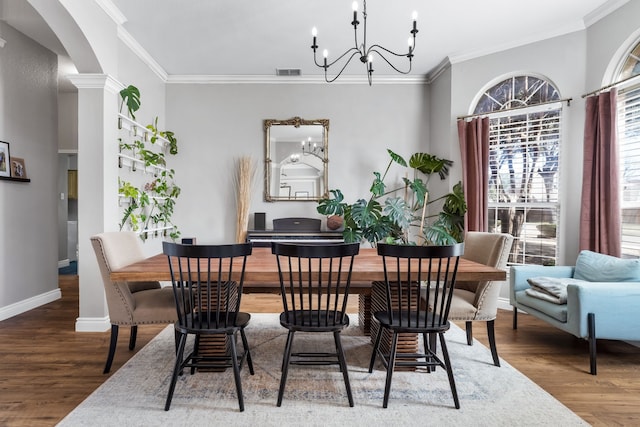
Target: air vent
x=288, y=72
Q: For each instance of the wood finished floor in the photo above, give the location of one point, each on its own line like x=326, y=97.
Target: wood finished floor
x=47, y=369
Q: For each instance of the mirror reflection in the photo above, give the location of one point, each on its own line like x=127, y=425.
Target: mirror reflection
x=296, y=160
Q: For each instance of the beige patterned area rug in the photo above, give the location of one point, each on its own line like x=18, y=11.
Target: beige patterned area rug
x=315, y=396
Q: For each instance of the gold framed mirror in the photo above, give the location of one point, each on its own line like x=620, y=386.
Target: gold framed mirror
x=296, y=159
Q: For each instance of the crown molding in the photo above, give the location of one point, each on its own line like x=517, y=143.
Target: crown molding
x=139, y=51
x=602, y=11
x=443, y=66
x=566, y=29
x=113, y=11
x=268, y=79
x=118, y=17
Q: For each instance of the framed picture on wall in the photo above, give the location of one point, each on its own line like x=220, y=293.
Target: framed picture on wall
x=5, y=165
x=18, y=170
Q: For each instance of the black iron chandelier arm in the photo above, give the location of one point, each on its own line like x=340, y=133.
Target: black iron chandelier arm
x=371, y=49
x=357, y=52
x=374, y=49
x=409, y=54
x=338, y=59
x=363, y=51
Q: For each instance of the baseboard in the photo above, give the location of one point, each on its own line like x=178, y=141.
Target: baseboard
x=93, y=324
x=29, y=304
x=64, y=263
x=504, y=304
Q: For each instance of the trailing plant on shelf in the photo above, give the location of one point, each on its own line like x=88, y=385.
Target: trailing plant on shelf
x=135, y=199
x=387, y=216
x=166, y=134
x=151, y=206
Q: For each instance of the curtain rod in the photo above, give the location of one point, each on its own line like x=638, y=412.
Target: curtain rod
x=567, y=100
x=610, y=86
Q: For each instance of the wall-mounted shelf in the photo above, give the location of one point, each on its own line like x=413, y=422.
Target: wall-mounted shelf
x=126, y=123
x=142, y=153
x=131, y=161
x=11, y=178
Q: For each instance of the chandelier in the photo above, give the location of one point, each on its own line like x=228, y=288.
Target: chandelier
x=312, y=149
x=362, y=51
x=308, y=148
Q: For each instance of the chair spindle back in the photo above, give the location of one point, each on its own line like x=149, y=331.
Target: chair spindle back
x=414, y=271
x=315, y=281
x=207, y=283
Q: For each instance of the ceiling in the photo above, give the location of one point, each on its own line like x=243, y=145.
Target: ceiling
x=231, y=37
x=254, y=38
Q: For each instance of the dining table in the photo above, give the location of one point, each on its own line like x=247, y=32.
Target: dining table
x=261, y=276
x=261, y=271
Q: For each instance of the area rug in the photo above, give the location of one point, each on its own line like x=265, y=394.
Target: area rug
x=315, y=396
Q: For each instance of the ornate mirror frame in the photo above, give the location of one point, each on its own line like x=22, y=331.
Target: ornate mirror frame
x=301, y=147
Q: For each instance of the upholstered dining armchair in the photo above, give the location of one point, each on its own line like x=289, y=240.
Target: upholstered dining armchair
x=129, y=303
x=478, y=301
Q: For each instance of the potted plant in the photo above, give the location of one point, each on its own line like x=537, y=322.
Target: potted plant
x=385, y=215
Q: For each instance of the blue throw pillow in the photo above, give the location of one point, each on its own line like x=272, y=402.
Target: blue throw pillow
x=596, y=267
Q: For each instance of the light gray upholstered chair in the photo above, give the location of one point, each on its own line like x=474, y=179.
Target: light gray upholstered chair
x=478, y=301
x=129, y=303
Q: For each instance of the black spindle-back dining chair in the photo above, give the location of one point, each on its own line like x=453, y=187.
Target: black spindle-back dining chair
x=314, y=283
x=207, y=284
x=419, y=282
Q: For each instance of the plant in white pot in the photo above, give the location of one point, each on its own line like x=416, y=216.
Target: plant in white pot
x=385, y=215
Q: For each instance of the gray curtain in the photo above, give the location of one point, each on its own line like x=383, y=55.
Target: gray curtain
x=600, y=218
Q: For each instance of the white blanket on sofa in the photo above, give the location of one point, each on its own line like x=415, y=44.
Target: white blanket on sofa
x=552, y=289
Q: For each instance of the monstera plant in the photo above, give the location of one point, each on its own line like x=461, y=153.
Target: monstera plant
x=402, y=214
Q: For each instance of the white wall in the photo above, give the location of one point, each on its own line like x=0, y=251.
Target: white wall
x=217, y=123
x=28, y=211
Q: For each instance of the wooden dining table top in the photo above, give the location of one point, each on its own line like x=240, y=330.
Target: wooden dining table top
x=262, y=270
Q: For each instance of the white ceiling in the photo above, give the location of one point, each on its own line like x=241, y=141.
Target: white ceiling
x=254, y=38
x=231, y=37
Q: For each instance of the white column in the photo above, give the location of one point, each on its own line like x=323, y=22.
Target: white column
x=97, y=188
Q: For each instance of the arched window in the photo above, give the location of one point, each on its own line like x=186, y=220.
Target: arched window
x=629, y=146
x=525, y=114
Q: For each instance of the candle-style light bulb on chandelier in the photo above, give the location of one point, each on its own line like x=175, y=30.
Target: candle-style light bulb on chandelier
x=364, y=53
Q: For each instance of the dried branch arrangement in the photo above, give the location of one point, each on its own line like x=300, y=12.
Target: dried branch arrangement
x=244, y=180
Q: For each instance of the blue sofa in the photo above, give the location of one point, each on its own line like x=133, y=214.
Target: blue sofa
x=602, y=298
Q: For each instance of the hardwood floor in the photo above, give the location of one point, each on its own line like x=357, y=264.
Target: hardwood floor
x=46, y=368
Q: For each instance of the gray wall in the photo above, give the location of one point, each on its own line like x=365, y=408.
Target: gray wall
x=217, y=123
x=28, y=211
x=560, y=60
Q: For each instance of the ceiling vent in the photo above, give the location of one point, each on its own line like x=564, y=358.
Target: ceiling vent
x=288, y=72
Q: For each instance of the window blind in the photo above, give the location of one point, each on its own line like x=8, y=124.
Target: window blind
x=524, y=171
x=629, y=146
